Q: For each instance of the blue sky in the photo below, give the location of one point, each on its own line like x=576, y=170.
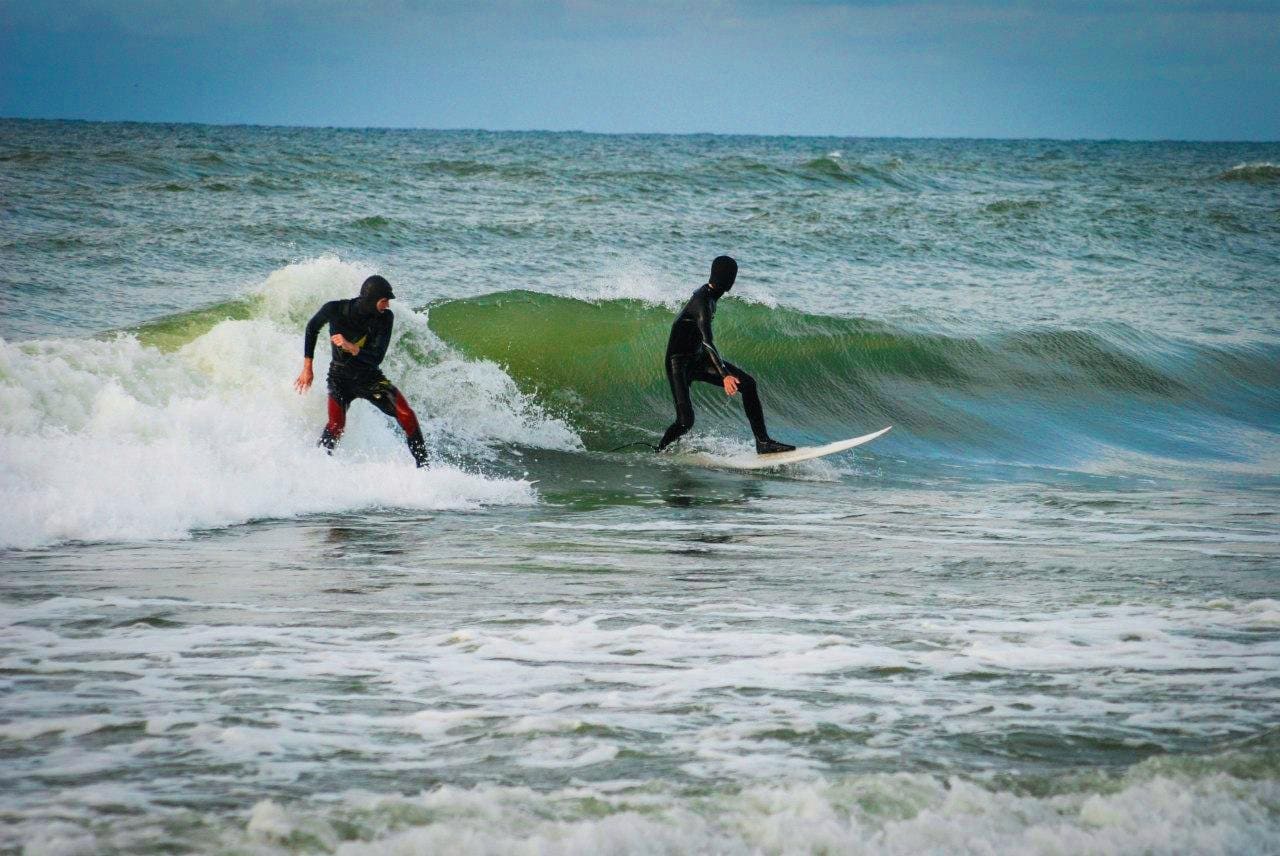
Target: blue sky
x=1180, y=69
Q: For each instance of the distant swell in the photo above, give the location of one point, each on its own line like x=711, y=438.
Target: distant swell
x=1252, y=172
x=374, y=223
x=474, y=168
x=837, y=169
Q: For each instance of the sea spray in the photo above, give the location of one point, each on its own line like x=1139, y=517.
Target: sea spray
x=114, y=439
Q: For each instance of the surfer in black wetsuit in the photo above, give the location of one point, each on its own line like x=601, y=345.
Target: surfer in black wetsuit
x=360, y=330
x=691, y=355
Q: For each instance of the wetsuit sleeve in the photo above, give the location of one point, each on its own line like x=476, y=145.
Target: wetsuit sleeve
x=375, y=347
x=702, y=316
x=313, y=328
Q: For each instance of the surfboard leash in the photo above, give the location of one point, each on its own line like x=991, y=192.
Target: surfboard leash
x=636, y=443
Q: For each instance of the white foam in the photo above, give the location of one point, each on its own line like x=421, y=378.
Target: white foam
x=68, y=726
x=1263, y=614
x=873, y=814
x=113, y=440
x=61, y=839
x=717, y=693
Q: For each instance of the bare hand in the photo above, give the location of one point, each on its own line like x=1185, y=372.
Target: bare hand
x=339, y=340
x=730, y=385
x=303, y=383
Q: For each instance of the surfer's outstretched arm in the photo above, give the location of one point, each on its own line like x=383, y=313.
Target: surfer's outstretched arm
x=303, y=383
x=324, y=316
x=305, y=377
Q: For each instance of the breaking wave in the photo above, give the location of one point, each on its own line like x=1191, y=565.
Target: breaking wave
x=191, y=423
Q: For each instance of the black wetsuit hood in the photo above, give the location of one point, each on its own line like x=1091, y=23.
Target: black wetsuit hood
x=724, y=270
x=371, y=291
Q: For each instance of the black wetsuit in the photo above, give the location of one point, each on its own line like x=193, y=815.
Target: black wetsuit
x=359, y=375
x=692, y=355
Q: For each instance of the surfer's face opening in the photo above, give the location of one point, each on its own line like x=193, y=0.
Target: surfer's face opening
x=383, y=304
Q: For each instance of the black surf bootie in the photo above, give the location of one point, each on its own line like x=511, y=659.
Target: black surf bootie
x=418, y=448
x=768, y=446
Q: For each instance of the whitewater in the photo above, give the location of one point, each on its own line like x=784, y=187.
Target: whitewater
x=112, y=439
x=1042, y=615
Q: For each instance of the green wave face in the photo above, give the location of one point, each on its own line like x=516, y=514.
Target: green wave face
x=1044, y=396
x=173, y=331
x=599, y=365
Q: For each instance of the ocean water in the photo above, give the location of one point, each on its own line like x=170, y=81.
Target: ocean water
x=1041, y=615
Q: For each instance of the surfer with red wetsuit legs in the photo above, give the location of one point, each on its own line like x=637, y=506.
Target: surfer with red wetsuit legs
x=359, y=331
x=691, y=355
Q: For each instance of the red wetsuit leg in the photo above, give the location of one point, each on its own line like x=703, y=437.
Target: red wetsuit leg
x=337, y=418
x=409, y=422
x=404, y=414
x=336, y=425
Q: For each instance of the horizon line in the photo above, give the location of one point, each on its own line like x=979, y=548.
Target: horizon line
x=959, y=137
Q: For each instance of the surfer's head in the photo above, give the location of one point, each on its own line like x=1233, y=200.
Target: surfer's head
x=724, y=270
x=375, y=294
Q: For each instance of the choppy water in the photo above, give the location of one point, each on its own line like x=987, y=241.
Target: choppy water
x=1041, y=615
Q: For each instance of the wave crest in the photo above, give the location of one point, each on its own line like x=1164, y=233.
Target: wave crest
x=824, y=376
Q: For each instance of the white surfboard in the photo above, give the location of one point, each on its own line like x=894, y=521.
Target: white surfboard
x=754, y=462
